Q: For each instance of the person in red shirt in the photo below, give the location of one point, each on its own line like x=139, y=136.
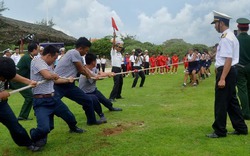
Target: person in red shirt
x=158, y=63
x=128, y=63
x=175, y=61
x=152, y=62
x=161, y=60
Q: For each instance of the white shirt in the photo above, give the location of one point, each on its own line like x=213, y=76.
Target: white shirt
x=146, y=58
x=116, y=58
x=16, y=57
x=138, y=64
x=103, y=61
x=98, y=61
x=132, y=59
x=228, y=48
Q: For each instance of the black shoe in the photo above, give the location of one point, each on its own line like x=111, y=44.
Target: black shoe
x=98, y=122
x=237, y=133
x=112, y=100
x=116, y=109
x=21, y=118
x=76, y=130
x=214, y=135
x=34, y=148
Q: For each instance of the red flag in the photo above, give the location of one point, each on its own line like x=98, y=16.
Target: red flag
x=113, y=24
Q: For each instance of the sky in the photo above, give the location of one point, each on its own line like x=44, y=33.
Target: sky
x=152, y=21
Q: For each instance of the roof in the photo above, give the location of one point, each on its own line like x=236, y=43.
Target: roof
x=12, y=30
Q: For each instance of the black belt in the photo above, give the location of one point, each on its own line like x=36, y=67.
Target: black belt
x=221, y=68
x=38, y=96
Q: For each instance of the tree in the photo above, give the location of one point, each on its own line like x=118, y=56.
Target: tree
x=101, y=47
x=2, y=7
x=44, y=22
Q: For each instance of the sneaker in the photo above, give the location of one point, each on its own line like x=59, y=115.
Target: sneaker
x=103, y=119
x=76, y=130
x=33, y=148
x=116, y=109
x=184, y=84
x=112, y=100
x=194, y=84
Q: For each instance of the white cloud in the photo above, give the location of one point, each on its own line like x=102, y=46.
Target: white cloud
x=47, y=4
x=91, y=18
x=88, y=18
x=192, y=23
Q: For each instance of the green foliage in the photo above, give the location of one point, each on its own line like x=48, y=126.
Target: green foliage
x=200, y=47
x=44, y=22
x=178, y=46
x=101, y=47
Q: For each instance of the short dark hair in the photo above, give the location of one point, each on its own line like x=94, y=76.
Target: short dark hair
x=7, y=68
x=82, y=42
x=50, y=49
x=32, y=46
x=89, y=58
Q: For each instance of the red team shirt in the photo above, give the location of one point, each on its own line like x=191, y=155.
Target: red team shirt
x=175, y=60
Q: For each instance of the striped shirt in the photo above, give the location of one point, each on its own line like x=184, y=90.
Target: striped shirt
x=1, y=87
x=66, y=66
x=37, y=65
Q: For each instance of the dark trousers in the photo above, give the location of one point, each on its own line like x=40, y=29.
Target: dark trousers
x=76, y=94
x=97, y=105
x=103, y=67
x=45, y=109
x=226, y=102
x=243, y=85
x=118, y=82
x=146, y=65
x=8, y=119
x=137, y=74
x=28, y=99
x=124, y=69
x=98, y=66
x=102, y=99
x=132, y=67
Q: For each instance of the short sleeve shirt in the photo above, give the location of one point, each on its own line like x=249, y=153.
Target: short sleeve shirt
x=66, y=66
x=88, y=85
x=103, y=60
x=1, y=87
x=37, y=65
x=116, y=58
x=228, y=48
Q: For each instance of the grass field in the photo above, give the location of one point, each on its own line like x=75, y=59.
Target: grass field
x=161, y=118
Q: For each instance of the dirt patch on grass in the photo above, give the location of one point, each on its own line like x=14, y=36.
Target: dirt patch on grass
x=121, y=127
x=6, y=152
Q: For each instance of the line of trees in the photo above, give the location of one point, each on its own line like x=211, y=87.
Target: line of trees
x=179, y=46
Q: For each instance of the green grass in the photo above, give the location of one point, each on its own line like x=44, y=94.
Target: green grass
x=161, y=118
